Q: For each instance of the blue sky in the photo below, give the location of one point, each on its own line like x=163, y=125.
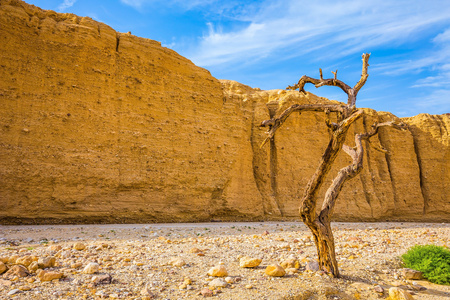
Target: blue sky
x=271, y=44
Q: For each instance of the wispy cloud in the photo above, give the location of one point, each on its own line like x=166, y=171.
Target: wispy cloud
x=432, y=83
x=281, y=30
x=187, y=5
x=340, y=27
x=437, y=101
x=66, y=4
x=437, y=58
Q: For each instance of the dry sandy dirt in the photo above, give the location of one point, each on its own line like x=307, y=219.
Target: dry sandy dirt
x=171, y=261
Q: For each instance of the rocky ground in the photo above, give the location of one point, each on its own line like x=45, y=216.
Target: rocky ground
x=172, y=261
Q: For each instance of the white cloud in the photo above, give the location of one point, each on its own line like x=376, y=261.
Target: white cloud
x=271, y=31
x=66, y=4
x=435, y=61
x=341, y=27
x=437, y=101
x=443, y=37
x=137, y=4
x=439, y=80
x=186, y=5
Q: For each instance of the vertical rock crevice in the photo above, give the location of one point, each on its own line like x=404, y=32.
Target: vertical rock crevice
x=363, y=179
x=384, y=141
x=273, y=161
x=421, y=175
x=117, y=41
x=262, y=164
x=274, y=172
x=256, y=176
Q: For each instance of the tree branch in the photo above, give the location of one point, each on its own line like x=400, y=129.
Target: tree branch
x=350, y=151
x=318, y=83
x=364, y=75
x=352, y=170
x=308, y=204
x=351, y=92
x=276, y=123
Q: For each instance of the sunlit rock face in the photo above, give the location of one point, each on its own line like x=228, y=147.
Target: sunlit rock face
x=101, y=126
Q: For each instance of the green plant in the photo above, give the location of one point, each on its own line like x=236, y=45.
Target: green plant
x=433, y=261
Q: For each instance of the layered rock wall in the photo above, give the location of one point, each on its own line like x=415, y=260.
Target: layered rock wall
x=100, y=126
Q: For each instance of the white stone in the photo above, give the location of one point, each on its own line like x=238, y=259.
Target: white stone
x=91, y=268
x=218, y=282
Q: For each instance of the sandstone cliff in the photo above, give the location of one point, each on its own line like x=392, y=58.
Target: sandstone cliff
x=100, y=126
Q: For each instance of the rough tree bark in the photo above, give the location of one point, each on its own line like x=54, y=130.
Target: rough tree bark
x=319, y=224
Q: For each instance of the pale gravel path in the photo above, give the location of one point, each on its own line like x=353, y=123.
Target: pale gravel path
x=137, y=256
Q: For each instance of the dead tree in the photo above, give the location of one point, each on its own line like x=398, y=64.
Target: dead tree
x=347, y=114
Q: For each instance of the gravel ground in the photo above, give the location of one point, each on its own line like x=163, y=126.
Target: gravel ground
x=171, y=261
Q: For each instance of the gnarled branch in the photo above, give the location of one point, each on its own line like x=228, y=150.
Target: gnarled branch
x=364, y=75
x=318, y=83
x=319, y=224
x=351, y=92
x=276, y=123
x=357, y=154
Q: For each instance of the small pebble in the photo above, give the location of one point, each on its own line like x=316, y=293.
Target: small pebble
x=14, y=291
x=91, y=268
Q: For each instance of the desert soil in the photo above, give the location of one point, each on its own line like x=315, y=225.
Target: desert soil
x=171, y=261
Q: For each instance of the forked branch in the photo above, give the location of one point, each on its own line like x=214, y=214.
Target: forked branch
x=319, y=224
x=276, y=123
x=357, y=154
x=351, y=92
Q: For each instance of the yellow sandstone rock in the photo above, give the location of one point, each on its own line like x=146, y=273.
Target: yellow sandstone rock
x=13, y=258
x=177, y=262
x=46, y=262
x=275, y=271
x=79, y=246
x=2, y=267
x=396, y=293
x=44, y=275
x=218, y=271
x=16, y=271
x=25, y=260
x=290, y=263
x=33, y=267
x=248, y=262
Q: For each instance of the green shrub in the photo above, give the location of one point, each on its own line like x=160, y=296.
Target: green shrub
x=433, y=261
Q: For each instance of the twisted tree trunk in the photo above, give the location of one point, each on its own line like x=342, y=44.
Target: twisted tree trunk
x=319, y=224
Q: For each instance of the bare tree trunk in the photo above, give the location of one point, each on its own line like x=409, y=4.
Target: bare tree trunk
x=319, y=224
x=320, y=227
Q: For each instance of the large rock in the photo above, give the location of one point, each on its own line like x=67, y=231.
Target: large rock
x=46, y=262
x=218, y=271
x=101, y=126
x=411, y=274
x=16, y=270
x=249, y=262
x=3, y=267
x=44, y=275
x=275, y=271
x=91, y=268
x=79, y=246
x=25, y=260
x=396, y=293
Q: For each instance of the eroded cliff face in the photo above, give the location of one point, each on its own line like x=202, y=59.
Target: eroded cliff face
x=409, y=182
x=100, y=126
